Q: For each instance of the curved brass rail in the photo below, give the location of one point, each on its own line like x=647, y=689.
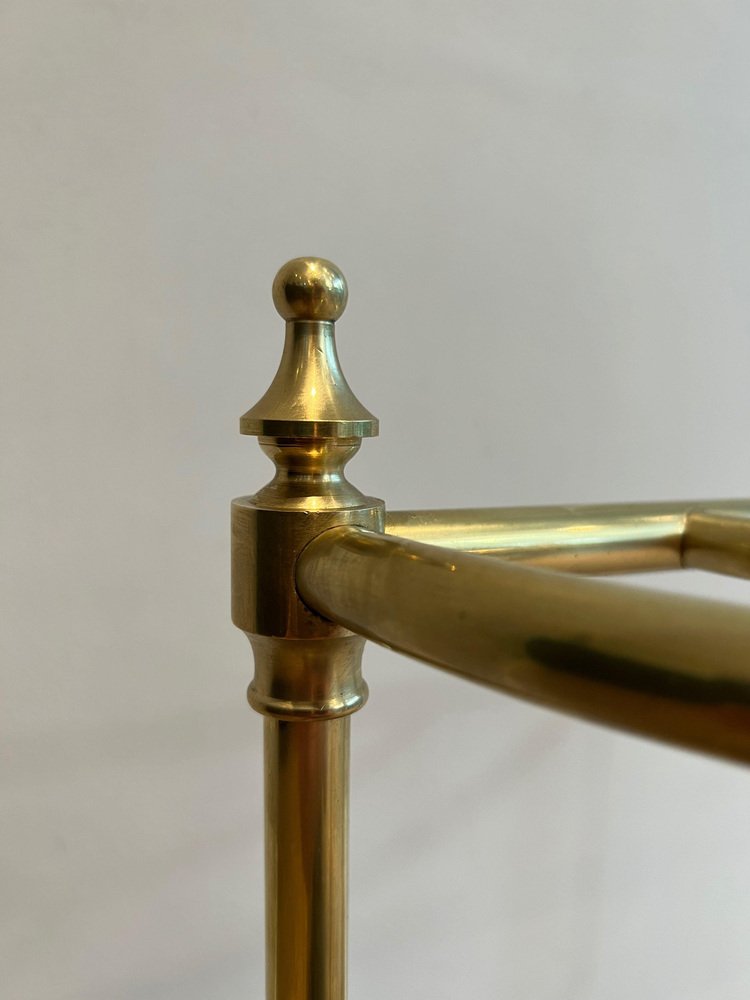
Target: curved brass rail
x=673, y=668
x=594, y=538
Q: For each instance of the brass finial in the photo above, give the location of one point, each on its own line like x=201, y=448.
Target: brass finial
x=309, y=396
x=310, y=288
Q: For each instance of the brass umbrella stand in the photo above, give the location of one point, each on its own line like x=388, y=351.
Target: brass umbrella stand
x=490, y=595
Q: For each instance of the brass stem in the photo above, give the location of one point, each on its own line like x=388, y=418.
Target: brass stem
x=307, y=784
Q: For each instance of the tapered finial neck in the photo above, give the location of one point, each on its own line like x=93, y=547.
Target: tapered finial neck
x=309, y=396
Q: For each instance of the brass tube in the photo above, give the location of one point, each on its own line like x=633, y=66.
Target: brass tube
x=307, y=785
x=719, y=541
x=593, y=539
x=673, y=668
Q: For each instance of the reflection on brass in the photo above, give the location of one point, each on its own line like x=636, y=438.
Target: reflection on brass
x=594, y=539
x=317, y=568
x=671, y=667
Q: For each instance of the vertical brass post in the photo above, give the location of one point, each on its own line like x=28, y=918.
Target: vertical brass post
x=307, y=773
x=307, y=670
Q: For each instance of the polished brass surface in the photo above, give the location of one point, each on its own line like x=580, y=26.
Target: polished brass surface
x=674, y=668
x=309, y=288
x=313, y=576
x=307, y=670
x=594, y=539
x=309, y=396
x=719, y=540
x=306, y=782
x=265, y=544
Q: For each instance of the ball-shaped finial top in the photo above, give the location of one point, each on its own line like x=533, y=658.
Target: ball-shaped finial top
x=310, y=288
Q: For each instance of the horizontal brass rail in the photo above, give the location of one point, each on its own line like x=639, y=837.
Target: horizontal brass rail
x=673, y=668
x=594, y=539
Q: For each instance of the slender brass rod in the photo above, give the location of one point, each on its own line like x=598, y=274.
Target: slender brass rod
x=307, y=784
x=594, y=539
x=674, y=668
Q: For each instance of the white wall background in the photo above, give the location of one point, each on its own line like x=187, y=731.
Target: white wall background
x=543, y=210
